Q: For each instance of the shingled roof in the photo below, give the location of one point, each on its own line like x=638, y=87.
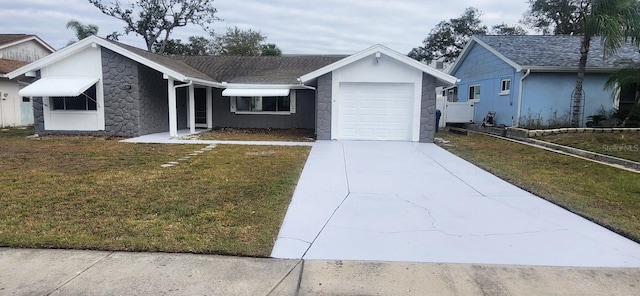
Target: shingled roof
x=166, y=61
x=258, y=69
x=7, y=66
x=558, y=51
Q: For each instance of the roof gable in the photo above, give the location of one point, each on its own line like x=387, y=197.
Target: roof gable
x=388, y=52
x=8, y=40
x=163, y=64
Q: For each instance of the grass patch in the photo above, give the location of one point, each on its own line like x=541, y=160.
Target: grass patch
x=256, y=134
x=603, y=194
x=623, y=145
x=95, y=193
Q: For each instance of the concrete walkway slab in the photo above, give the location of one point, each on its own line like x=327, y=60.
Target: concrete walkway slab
x=416, y=202
x=66, y=272
x=165, y=138
x=385, y=278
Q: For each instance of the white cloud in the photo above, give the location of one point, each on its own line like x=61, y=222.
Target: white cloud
x=320, y=27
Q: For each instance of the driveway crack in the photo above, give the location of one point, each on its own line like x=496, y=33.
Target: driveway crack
x=346, y=176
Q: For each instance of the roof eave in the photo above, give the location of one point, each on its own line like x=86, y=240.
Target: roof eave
x=556, y=69
x=444, y=77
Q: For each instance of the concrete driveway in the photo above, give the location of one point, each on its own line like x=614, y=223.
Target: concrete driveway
x=401, y=201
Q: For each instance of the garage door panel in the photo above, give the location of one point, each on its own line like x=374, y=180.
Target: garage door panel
x=376, y=111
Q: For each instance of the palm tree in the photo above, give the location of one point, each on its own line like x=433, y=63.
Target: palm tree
x=615, y=21
x=82, y=31
x=626, y=79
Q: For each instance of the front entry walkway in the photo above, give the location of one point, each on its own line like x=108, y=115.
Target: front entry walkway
x=183, y=138
x=401, y=201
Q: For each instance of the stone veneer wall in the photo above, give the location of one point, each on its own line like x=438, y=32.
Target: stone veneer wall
x=323, y=108
x=154, y=107
x=428, y=109
x=121, y=105
x=38, y=116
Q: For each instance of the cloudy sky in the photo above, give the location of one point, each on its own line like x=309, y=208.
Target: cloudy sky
x=297, y=27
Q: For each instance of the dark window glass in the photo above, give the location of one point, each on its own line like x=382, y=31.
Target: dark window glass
x=284, y=104
x=269, y=104
x=243, y=103
x=58, y=103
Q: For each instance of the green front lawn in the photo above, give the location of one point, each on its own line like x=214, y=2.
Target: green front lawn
x=96, y=193
x=606, y=195
x=623, y=145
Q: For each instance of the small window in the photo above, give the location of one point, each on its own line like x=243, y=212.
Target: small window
x=26, y=99
x=84, y=102
x=263, y=104
x=474, y=93
x=505, y=86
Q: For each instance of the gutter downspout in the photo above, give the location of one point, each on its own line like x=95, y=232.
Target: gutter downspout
x=173, y=132
x=521, y=88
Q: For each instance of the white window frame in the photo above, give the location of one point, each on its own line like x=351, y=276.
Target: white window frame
x=292, y=106
x=505, y=87
x=473, y=97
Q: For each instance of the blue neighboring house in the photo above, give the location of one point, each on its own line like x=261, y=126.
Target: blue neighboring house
x=521, y=78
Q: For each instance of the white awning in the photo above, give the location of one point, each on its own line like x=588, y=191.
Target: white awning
x=58, y=87
x=255, y=92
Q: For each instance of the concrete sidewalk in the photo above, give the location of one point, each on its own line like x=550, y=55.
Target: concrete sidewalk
x=68, y=272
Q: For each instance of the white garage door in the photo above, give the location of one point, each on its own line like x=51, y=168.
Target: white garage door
x=376, y=111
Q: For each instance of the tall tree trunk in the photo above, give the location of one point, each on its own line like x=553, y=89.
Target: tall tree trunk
x=576, y=102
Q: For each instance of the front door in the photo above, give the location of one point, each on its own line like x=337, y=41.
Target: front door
x=200, y=99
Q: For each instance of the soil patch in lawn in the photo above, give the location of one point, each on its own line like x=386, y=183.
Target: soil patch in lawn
x=258, y=134
x=95, y=193
x=622, y=145
x=603, y=194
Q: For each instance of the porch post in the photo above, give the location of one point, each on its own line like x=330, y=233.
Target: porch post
x=192, y=109
x=209, y=108
x=173, y=119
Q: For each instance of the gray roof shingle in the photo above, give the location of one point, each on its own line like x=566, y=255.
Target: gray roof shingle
x=558, y=51
x=258, y=69
x=166, y=61
x=240, y=69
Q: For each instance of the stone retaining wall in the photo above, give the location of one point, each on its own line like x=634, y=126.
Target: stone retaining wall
x=524, y=133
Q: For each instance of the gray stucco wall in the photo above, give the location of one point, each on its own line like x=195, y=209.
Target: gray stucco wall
x=154, y=108
x=428, y=109
x=121, y=105
x=303, y=118
x=323, y=107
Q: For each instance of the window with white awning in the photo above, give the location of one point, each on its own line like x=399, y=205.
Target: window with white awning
x=58, y=87
x=263, y=100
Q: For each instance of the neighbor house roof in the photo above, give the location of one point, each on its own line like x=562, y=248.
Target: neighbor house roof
x=7, y=66
x=7, y=40
x=258, y=69
x=550, y=52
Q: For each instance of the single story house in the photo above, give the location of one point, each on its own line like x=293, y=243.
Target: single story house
x=524, y=78
x=17, y=50
x=97, y=86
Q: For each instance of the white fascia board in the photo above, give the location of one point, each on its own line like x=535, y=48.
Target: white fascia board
x=476, y=40
x=205, y=82
x=388, y=52
x=541, y=69
x=258, y=86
